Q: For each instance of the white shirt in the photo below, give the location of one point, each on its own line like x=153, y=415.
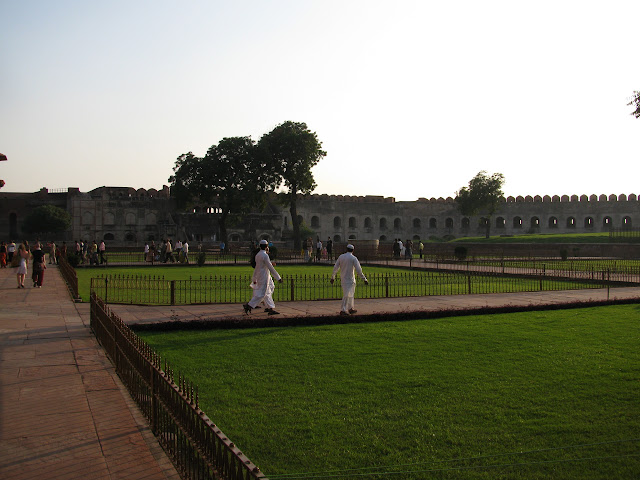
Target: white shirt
x=348, y=265
x=262, y=273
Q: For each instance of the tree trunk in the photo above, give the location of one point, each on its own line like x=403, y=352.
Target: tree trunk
x=222, y=223
x=293, y=209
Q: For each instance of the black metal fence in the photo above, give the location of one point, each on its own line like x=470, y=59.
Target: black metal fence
x=69, y=275
x=624, y=235
x=170, y=403
x=151, y=290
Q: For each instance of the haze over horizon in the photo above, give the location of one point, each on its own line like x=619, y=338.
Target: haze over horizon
x=410, y=99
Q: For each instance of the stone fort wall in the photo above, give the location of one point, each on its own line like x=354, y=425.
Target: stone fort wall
x=126, y=216
x=369, y=218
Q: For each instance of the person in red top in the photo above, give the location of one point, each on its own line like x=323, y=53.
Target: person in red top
x=3, y=255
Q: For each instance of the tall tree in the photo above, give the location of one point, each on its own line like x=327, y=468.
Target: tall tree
x=231, y=175
x=184, y=181
x=234, y=175
x=635, y=101
x=47, y=219
x=482, y=196
x=291, y=149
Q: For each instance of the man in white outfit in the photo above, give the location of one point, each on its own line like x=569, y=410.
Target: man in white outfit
x=262, y=283
x=348, y=265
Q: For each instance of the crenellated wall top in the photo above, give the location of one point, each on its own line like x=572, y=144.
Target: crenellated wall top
x=573, y=198
x=165, y=192
x=510, y=199
x=129, y=192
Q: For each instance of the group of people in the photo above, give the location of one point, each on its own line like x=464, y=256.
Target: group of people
x=323, y=252
x=91, y=252
x=405, y=249
x=347, y=265
x=167, y=251
x=21, y=255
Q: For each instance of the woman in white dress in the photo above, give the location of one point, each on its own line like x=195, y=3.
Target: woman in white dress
x=23, y=255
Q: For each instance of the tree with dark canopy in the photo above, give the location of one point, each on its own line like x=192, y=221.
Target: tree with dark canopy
x=47, y=219
x=230, y=176
x=184, y=181
x=482, y=196
x=292, y=150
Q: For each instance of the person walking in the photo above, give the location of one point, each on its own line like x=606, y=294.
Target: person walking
x=93, y=253
x=348, y=265
x=39, y=265
x=329, y=248
x=185, y=251
x=85, y=251
x=169, y=252
x=11, y=249
x=408, y=249
x=262, y=283
x=52, y=253
x=102, y=248
x=23, y=256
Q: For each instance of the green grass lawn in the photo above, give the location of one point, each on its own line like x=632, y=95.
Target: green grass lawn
x=184, y=272
x=612, y=265
x=599, y=237
x=525, y=395
x=230, y=284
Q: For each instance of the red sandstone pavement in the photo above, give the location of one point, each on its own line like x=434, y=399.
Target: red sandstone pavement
x=63, y=412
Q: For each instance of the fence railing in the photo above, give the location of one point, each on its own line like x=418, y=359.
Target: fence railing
x=151, y=290
x=69, y=275
x=170, y=403
x=432, y=253
x=624, y=234
x=129, y=258
x=628, y=268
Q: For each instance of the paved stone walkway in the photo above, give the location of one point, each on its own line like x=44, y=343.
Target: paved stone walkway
x=63, y=412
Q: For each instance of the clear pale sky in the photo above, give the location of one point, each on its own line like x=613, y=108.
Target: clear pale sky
x=409, y=98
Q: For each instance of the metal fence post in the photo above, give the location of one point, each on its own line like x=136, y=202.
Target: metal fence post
x=293, y=293
x=154, y=400
x=173, y=292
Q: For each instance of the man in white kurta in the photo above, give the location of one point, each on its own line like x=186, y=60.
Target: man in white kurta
x=262, y=283
x=348, y=265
